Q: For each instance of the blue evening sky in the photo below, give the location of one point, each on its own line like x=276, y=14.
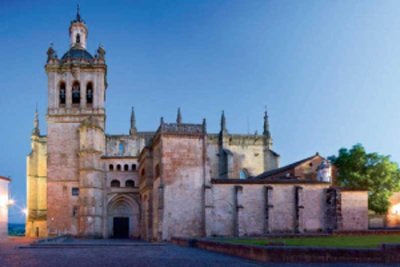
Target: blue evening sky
x=328, y=71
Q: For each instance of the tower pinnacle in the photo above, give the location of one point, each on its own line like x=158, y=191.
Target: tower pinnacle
x=266, y=125
x=179, y=117
x=36, y=130
x=266, y=131
x=133, y=129
x=223, y=123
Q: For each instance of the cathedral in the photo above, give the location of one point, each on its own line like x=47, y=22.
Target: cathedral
x=179, y=180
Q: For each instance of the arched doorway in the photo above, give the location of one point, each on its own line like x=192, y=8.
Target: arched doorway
x=123, y=217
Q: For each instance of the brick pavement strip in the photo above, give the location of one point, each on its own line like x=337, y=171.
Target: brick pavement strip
x=137, y=255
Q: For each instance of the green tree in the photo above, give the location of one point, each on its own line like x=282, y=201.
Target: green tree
x=358, y=169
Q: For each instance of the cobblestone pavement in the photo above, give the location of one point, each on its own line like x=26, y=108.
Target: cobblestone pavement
x=102, y=253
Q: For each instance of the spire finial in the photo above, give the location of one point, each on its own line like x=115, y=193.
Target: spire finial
x=36, y=130
x=78, y=15
x=133, y=129
x=179, y=117
x=223, y=123
x=266, y=132
x=266, y=124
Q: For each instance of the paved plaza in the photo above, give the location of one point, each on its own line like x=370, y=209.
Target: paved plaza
x=77, y=253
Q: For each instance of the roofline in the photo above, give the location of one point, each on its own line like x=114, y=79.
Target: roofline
x=5, y=178
x=286, y=167
x=257, y=181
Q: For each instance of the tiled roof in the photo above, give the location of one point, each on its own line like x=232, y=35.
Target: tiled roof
x=77, y=53
x=267, y=174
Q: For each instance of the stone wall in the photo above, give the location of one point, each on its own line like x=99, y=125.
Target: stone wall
x=247, y=152
x=124, y=145
x=62, y=176
x=36, y=204
x=183, y=177
x=354, y=208
x=241, y=209
x=122, y=176
x=313, y=215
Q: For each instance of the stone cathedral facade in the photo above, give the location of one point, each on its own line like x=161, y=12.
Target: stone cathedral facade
x=179, y=180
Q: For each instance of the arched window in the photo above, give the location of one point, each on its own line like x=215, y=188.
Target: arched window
x=111, y=167
x=118, y=167
x=244, y=174
x=115, y=183
x=76, y=93
x=89, y=93
x=121, y=148
x=126, y=167
x=78, y=38
x=130, y=183
x=133, y=167
x=62, y=93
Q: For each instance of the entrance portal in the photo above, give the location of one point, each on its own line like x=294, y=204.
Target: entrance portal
x=123, y=214
x=121, y=227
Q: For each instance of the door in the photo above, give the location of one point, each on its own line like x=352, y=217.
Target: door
x=121, y=227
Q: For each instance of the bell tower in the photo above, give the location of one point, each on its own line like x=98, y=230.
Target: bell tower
x=76, y=141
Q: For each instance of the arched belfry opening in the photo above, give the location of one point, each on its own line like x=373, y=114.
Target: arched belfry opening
x=76, y=93
x=78, y=38
x=62, y=94
x=123, y=217
x=89, y=93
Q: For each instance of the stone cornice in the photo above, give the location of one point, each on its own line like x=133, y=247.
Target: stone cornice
x=118, y=157
x=75, y=111
x=83, y=66
x=86, y=151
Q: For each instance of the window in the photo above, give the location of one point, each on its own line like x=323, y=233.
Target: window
x=89, y=93
x=130, y=183
x=244, y=174
x=115, y=183
x=121, y=148
x=133, y=167
x=62, y=93
x=118, y=167
x=111, y=167
x=126, y=167
x=75, y=191
x=78, y=38
x=76, y=93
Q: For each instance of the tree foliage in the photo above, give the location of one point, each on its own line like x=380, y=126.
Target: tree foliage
x=358, y=169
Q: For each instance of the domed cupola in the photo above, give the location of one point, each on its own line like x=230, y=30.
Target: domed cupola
x=78, y=34
x=77, y=54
